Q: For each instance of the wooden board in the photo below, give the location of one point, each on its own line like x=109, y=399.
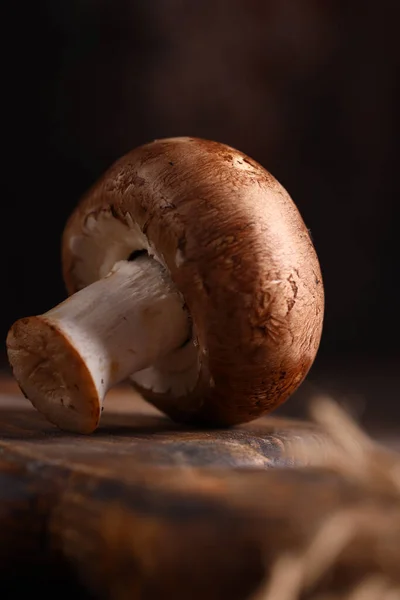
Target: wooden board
x=144, y=508
x=135, y=435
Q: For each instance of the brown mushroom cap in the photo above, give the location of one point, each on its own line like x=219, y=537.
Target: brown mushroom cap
x=236, y=248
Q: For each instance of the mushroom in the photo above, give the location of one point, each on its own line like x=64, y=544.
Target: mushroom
x=191, y=273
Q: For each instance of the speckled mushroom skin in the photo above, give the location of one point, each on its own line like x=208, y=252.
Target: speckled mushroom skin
x=240, y=254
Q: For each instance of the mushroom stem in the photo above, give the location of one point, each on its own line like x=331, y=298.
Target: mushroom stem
x=66, y=359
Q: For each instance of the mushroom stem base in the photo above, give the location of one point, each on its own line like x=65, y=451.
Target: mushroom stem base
x=66, y=359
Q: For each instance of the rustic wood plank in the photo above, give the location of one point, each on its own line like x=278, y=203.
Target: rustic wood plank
x=147, y=509
x=133, y=434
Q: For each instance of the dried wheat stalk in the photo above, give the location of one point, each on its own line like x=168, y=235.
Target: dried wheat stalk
x=362, y=542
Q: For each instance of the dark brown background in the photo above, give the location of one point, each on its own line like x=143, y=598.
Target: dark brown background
x=309, y=88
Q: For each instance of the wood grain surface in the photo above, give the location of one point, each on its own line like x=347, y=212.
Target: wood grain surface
x=147, y=509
